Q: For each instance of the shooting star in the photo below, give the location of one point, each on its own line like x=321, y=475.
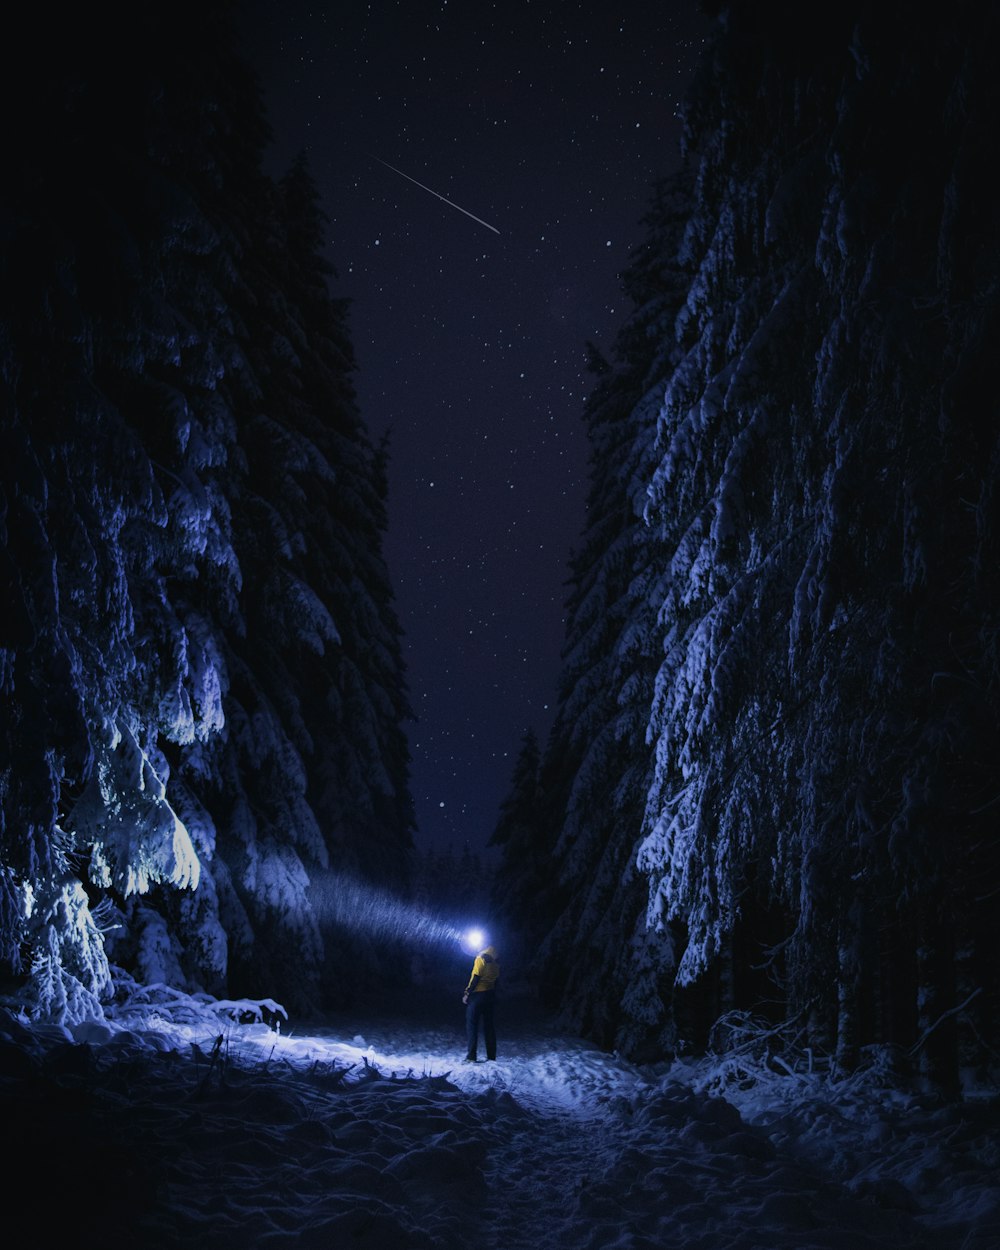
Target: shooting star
x=440, y=197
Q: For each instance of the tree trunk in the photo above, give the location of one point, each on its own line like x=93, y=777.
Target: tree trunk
x=972, y=1060
x=726, y=983
x=849, y=962
x=936, y=1048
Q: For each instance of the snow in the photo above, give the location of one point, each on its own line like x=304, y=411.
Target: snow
x=172, y=1124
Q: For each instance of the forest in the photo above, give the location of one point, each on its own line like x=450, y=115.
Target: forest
x=769, y=798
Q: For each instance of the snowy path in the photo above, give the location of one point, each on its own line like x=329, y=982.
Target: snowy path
x=371, y=1133
x=576, y=1148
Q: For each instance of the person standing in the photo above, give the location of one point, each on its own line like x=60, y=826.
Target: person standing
x=479, y=998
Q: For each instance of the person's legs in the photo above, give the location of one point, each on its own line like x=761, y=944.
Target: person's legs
x=472, y=1025
x=489, y=1031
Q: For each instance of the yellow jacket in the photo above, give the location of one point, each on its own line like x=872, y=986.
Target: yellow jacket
x=485, y=971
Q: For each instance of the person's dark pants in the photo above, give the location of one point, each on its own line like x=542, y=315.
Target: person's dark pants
x=479, y=1010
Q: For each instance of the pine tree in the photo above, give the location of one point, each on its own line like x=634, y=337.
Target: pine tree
x=321, y=603
x=520, y=883
x=813, y=438
x=192, y=521
x=123, y=509
x=607, y=970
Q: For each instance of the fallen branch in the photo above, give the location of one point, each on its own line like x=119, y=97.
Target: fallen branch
x=952, y=1011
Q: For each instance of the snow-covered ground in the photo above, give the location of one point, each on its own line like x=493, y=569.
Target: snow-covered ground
x=168, y=1128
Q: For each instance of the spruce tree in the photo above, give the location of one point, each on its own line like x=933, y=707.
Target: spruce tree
x=812, y=771
x=606, y=969
x=519, y=884
x=192, y=522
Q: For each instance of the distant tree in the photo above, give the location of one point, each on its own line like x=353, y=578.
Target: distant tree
x=360, y=699
x=520, y=883
x=451, y=895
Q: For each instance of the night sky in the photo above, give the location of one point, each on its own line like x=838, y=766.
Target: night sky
x=545, y=126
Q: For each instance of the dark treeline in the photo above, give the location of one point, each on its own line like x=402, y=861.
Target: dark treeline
x=771, y=789
x=202, y=687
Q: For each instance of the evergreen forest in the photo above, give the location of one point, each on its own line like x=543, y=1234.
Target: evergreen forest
x=769, y=798
x=768, y=805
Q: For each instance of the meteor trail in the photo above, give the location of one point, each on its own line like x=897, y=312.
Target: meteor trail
x=440, y=197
